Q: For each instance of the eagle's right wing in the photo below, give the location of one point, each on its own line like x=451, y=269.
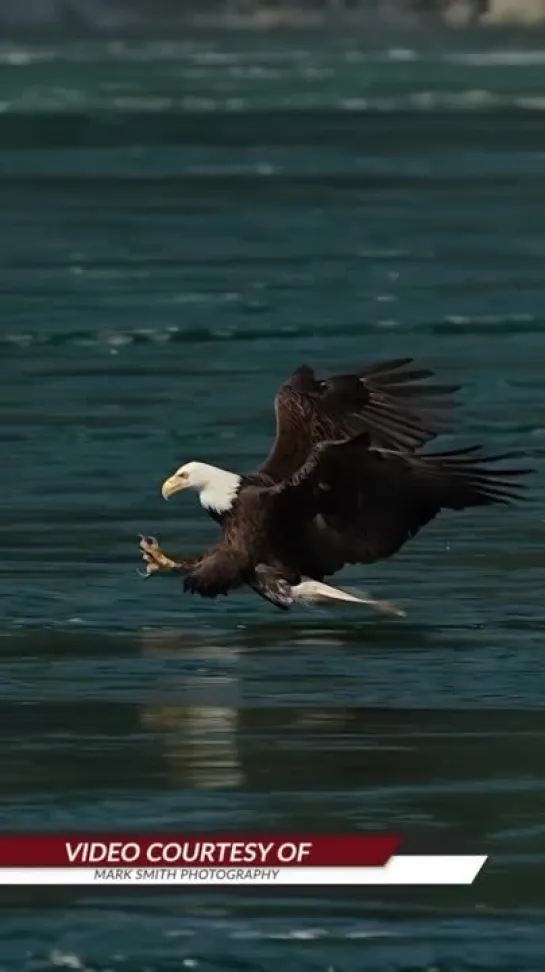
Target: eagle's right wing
x=354, y=504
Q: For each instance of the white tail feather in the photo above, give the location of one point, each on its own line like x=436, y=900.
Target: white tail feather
x=314, y=592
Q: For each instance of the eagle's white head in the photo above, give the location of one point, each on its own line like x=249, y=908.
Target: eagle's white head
x=217, y=488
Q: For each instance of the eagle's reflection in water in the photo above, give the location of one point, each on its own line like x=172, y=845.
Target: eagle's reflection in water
x=200, y=729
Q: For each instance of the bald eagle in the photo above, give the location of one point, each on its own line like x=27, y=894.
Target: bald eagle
x=342, y=484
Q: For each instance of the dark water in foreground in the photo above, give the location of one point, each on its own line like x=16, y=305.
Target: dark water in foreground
x=181, y=228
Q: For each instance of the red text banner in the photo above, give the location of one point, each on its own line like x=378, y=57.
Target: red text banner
x=165, y=850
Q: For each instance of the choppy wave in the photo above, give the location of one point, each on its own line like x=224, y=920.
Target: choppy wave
x=172, y=77
x=73, y=102
x=240, y=331
x=222, y=51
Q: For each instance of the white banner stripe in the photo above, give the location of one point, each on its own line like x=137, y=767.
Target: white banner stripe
x=400, y=869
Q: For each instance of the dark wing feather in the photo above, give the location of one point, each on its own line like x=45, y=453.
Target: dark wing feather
x=357, y=505
x=218, y=572
x=384, y=400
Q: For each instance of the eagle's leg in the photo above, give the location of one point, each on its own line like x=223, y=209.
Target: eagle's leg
x=270, y=584
x=155, y=558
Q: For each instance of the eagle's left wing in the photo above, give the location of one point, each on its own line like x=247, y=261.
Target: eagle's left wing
x=386, y=400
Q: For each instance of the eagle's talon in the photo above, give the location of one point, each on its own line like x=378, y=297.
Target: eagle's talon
x=150, y=546
x=154, y=557
x=144, y=574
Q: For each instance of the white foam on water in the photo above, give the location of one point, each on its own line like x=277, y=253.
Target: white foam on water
x=66, y=960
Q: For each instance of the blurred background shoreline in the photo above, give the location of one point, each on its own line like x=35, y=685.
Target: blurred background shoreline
x=73, y=18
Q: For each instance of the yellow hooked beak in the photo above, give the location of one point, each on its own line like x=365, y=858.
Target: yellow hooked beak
x=173, y=485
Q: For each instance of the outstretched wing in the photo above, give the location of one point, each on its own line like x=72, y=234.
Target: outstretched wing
x=384, y=400
x=356, y=504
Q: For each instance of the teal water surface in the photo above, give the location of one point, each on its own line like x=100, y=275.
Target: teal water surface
x=184, y=224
